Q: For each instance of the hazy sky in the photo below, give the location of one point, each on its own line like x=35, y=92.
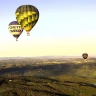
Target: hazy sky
x=65, y=27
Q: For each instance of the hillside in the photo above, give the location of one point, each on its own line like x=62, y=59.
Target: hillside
x=41, y=86
x=47, y=77
x=48, y=67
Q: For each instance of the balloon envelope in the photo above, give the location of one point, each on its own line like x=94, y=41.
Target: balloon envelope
x=85, y=55
x=27, y=16
x=15, y=29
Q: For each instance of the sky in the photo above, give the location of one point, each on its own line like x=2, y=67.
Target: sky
x=65, y=27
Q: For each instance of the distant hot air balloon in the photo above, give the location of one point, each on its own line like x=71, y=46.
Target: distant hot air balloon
x=27, y=16
x=85, y=55
x=15, y=29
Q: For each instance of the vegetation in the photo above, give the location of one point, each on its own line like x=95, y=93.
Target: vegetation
x=41, y=86
x=47, y=77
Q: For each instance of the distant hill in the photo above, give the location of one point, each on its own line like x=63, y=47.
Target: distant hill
x=45, y=57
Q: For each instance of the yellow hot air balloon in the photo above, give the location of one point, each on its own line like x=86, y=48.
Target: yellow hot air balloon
x=15, y=29
x=27, y=16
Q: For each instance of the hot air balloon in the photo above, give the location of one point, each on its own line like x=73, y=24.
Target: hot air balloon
x=27, y=16
x=85, y=55
x=15, y=29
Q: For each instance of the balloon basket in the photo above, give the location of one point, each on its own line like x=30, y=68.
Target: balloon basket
x=28, y=34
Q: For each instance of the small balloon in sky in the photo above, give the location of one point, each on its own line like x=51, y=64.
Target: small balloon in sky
x=27, y=16
x=85, y=55
x=15, y=29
